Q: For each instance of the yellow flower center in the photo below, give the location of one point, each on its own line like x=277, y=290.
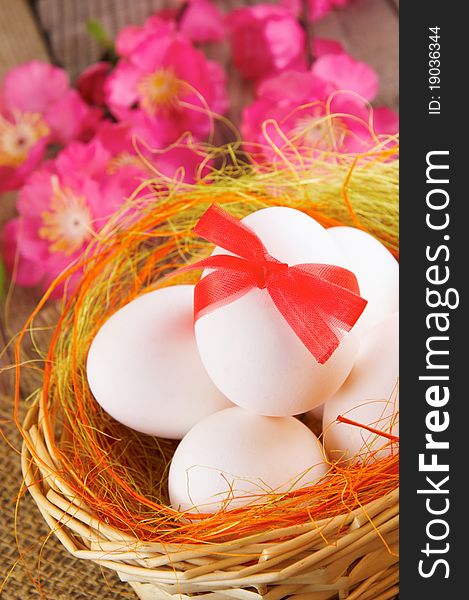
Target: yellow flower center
x=17, y=137
x=318, y=131
x=124, y=159
x=68, y=224
x=160, y=91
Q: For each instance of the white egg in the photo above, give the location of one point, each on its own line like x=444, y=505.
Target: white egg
x=377, y=272
x=235, y=457
x=144, y=368
x=248, y=348
x=369, y=396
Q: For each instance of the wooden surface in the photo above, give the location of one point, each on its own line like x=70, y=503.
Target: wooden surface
x=369, y=31
x=20, y=39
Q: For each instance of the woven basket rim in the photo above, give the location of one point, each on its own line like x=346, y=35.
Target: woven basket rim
x=276, y=559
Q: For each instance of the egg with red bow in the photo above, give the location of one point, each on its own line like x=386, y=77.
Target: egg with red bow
x=248, y=346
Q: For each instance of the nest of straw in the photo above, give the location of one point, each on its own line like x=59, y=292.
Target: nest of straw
x=103, y=487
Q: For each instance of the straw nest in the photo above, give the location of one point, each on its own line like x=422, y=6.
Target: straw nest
x=102, y=487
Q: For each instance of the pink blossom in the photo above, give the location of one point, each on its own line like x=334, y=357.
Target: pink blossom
x=73, y=119
x=136, y=149
x=130, y=37
x=293, y=110
x=168, y=82
x=184, y=161
x=385, y=120
x=277, y=99
x=202, y=21
x=23, y=140
x=37, y=107
x=61, y=210
x=39, y=88
x=65, y=203
x=34, y=87
x=346, y=73
x=26, y=272
x=85, y=160
x=90, y=83
x=317, y=8
x=265, y=40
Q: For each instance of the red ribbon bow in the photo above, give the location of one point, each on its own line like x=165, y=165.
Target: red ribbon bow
x=319, y=302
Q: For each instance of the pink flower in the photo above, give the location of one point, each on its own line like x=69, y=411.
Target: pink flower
x=346, y=73
x=184, y=161
x=317, y=8
x=385, y=120
x=73, y=119
x=84, y=160
x=62, y=206
x=293, y=110
x=34, y=87
x=202, y=21
x=265, y=40
x=130, y=37
x=277, y=99
x=37, y=107
x=292, y=106
x=166, y=81
x=39, y=88
x=134, y=149
x=23, y=139
x=65, y=203
x=90, y=83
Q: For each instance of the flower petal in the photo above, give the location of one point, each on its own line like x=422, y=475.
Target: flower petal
x=130, y=37
x=265, y=39
x=89, y=160
x=202, y=21
x=26, y=271
x=34, y=86
x=70, y=118
x=90, y=83
x=34, y=197
x=121, y=88
x=385, y=121
x=12, y=178
x=346, y=73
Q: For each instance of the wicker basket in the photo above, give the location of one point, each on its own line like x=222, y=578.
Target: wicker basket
x=351, y=556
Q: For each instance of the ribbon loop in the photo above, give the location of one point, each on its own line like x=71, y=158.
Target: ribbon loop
x=319, y=302
x=220, y=228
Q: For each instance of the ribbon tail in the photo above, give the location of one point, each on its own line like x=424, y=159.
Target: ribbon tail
x=341, y=301
x=333, y=274
x=319, y=314
x=308, y=324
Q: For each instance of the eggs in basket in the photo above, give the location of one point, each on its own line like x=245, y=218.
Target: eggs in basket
x=287, y=318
